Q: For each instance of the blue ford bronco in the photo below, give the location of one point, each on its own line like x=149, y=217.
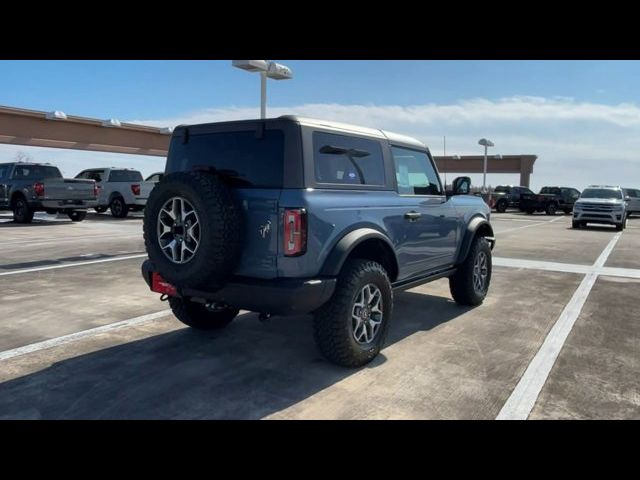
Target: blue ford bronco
x=293, y=216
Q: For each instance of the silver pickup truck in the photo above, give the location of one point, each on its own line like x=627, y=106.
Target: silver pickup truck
x=26, y=188
x=120, y=189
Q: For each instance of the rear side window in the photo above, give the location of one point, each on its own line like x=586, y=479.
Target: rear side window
x=415, y=173
x=35, y=172
x=630, y=193
x=4, y=170
x=501, y=189
x=551, y=190
x=345, y=160
x=124, y=176
x=92, y=175
x=243, y=158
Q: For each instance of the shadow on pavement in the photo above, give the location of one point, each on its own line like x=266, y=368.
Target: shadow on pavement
x=249, y=370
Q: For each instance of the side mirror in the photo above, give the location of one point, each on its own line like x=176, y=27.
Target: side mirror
x=461, y=186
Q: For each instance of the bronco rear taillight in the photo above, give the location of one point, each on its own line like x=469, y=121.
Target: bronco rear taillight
x=135, y=188
x=160, y=285
x=38, y=189
x=295, y=232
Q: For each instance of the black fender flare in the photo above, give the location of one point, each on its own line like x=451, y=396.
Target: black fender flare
x=341, y=251
x=17, y=194
x=476, y=224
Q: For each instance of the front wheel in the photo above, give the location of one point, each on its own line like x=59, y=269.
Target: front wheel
x=551, y=209
x=21, y=211
x=202, y=317
x=77, y=216
x=350, y=329
x=470, y=284
x=501, y=207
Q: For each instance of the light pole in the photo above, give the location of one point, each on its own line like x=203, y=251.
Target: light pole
x=266, y=69
x=485, y=143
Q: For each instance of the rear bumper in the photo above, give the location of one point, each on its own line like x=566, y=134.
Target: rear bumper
x=282, y=296
x=62, y=204
x=140, y=202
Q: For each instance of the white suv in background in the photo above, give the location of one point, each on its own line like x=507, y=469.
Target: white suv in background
x=120, y=189
x=603, y=204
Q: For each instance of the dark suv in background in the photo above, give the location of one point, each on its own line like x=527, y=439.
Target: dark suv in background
x=293, y=215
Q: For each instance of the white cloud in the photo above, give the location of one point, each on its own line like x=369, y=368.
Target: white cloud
x=577, y=143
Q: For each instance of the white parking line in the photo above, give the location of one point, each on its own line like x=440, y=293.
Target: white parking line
x=69, y=265
x=54, y=342
x=523, y=398
x=543, y=222
x=565, y=267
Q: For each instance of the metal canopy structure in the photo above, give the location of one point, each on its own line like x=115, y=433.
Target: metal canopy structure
x=56, y=130
x=522, y=164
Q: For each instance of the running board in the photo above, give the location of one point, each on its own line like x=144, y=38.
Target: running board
x=414, y=282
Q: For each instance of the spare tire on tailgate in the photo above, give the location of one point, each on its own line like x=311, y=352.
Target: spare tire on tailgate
x=193, y=228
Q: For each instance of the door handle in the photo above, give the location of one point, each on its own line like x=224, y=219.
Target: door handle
x=412, y=216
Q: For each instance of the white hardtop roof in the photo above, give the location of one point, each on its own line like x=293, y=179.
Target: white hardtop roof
x=372, y=132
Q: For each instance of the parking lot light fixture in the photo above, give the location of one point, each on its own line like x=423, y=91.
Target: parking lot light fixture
x=273, y=70
x=486, y=144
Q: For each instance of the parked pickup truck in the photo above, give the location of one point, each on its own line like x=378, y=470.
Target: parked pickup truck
x=294, y=216
x=26, y=188
x=505, y=196
x=549, y=200
x=120, y=189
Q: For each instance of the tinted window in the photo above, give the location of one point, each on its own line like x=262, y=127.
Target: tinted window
x=552, y=190
x=156, y=177
x=241, y=157
x=35, y=172
x=501, y=189
x=123, y=176
x=4, y=171
x=629, y=193
x=341, y=159
x=607, y=193
x=92, y=175
x=415, y=173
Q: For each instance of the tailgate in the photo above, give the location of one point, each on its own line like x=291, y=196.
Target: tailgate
x=69, y=189
x=145, y=189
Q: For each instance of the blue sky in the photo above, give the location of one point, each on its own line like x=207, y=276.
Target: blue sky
x=576, y=115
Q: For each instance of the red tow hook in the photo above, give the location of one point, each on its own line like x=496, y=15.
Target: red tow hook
x=160, y=285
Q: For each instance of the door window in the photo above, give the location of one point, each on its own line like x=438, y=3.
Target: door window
x=415, y=173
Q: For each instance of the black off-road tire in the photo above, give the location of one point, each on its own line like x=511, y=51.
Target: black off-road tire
x=576, y=224
x=77, y=216
x=119, y=209
x=567, y=211
x=551, y=209
x=530, y=211
x=198, y=316
x=221, y=229
x=21, y=211
x=332, y=323
x=461, y=282
x=501, y=206
x=100, y=209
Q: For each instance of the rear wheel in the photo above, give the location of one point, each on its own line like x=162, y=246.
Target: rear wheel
x=530, y=211
x=576, y=224
x=501, y=206
x=202, y=317
x=350, y=329
x=100, y=209
x=119, y=209
x=77, y=216
x=551, y=209
x=21, y=211
x=470, y=284
x=567, y=211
